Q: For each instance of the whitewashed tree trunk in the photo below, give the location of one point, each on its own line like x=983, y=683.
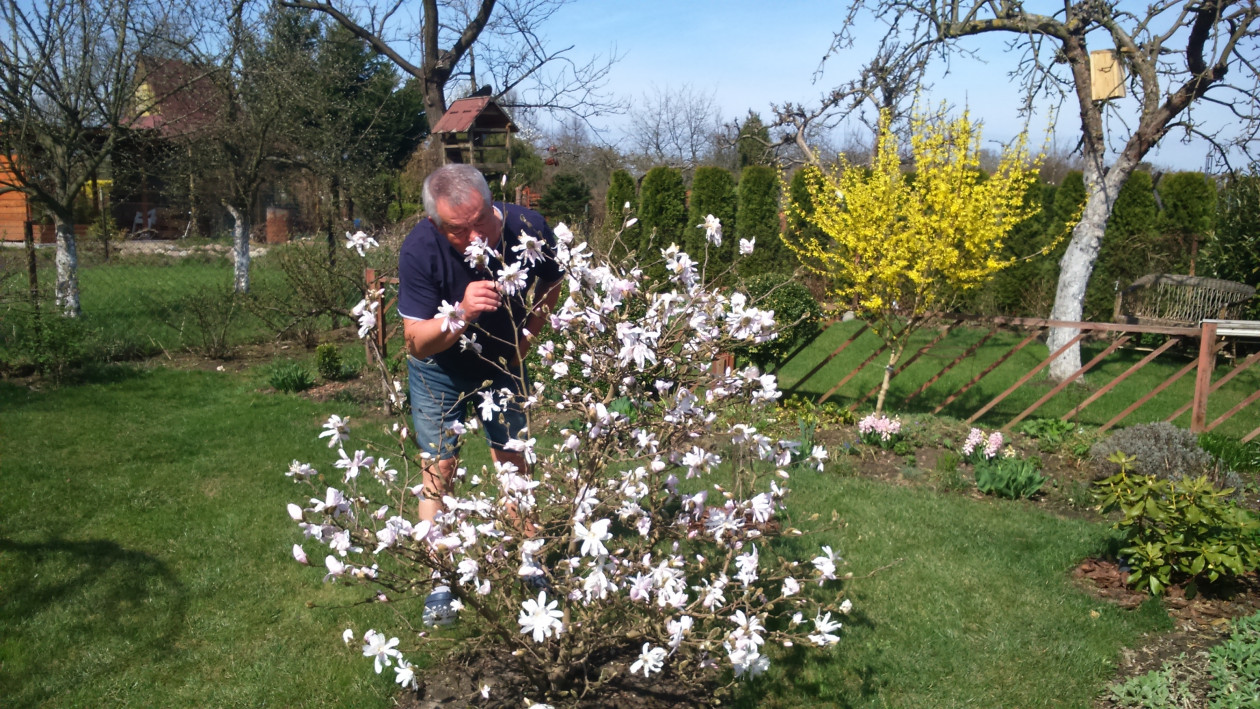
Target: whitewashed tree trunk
x=67, y=270
x=1077, y=264
x=240, y=248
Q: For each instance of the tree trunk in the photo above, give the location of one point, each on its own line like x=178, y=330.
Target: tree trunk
x=240, y=248
x=883, y=387
x=67, y=269
x=1077, y=264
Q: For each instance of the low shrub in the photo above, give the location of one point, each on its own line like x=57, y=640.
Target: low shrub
x=1235, y=667
x=207, y=320
x=46, y=343
x=1159, y=449
x=1051, y=434
x=290, y=377
x=1012, y=478
x=328, y=362
x=1178, y=530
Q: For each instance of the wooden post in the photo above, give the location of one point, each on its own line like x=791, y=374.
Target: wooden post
x=369, y=277
x=1203, y=378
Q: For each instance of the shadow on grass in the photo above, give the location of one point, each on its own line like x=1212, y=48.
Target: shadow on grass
x=796, y=675
x=93, y=607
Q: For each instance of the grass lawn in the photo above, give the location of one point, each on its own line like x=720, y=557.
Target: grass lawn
x=144, y=560
x=144, y=550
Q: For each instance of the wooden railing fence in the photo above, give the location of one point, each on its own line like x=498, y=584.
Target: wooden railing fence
x=1210, y=335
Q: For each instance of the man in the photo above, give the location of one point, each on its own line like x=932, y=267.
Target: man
x=450, y=358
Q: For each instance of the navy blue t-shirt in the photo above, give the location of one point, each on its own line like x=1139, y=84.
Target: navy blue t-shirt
x=430, y=271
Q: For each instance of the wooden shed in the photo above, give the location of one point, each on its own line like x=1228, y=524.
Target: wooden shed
x=476, y=131
x=14, y=210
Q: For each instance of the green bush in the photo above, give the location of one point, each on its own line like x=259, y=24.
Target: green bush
x=1178, y=530
x=567, y=199
x=797, y=313
x=46, y=343
x=1231, y=453
x=1012, y=478
x=328, y=362
x=1051, y=434
x=290, y=377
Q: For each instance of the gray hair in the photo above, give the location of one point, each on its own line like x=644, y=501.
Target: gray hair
x=453, y=183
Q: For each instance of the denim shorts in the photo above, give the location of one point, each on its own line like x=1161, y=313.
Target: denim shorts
x=440, y=398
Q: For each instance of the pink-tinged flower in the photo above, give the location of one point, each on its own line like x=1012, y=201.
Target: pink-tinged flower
x=353, y=465
x=335, y=568
x=300, y=554
x=540, y=618
x=295, y=512
x=452, y=316
x=302, y=470
x=651, y=659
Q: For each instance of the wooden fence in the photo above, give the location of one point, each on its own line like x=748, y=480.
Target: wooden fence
x=1211, y=336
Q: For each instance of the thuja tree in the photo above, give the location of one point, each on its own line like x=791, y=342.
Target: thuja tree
x=1233, y=252
x=620, y=203
x=567, y=199
x=757, y=221
x=662, y=213
x=641, y=552
x=1187, y=214
x=712, y=195
x=903, y=248
x=1128, y=246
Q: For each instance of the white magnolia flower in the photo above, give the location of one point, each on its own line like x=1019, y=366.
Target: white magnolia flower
x=352, y=465
x=712, y=229
x=651, y=659
x=300, y=554
x=791, y=587
x=513, y=278
x=746, y=246
x=379, y=649
x=826, y=628
x=826, y=565
x=360, y=242
x=304, y=470
x=593, y=537
x=336, y=430
x=540, y=618
x=347, y=636
x=405, y=674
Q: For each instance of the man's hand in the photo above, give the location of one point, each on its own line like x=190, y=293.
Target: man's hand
x=480, y=297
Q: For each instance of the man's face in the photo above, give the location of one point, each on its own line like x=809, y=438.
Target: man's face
x=461, y=224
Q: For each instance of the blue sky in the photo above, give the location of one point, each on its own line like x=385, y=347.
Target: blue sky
x=749, y=54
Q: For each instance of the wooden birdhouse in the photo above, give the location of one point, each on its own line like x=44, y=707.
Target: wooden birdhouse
x=1106, y=74
x=476, y=131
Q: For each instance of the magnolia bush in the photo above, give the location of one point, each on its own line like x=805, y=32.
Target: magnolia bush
x=649, y=516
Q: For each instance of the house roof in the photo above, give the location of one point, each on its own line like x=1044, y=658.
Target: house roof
x=181, y=98
x=466, y=112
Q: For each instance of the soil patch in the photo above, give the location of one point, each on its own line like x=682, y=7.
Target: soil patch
x=459, y=683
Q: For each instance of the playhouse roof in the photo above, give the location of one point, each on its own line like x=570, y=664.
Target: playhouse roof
x=481, y=111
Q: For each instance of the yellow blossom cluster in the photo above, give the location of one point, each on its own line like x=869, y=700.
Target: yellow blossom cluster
x=905, y=242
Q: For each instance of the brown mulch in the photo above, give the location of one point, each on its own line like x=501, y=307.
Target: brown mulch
x=1198, y=623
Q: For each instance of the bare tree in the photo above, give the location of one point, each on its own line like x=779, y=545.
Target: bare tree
x=677, y=127
x=1180, y=55
x=68, y=76
x=499, y=41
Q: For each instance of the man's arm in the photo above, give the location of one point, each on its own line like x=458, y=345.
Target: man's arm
x=426, y=337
